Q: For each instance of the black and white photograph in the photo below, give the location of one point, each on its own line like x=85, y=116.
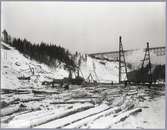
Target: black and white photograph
x=83, y=65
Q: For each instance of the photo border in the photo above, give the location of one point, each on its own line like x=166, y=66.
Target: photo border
x=91, y=1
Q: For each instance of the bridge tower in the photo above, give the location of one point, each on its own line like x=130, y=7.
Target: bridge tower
x=147, y=59
x=122, y=62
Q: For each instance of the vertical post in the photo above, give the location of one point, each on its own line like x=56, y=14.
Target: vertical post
x=120, y=59
x=70, y=73
x=122, y=62
x=78, y=72
x=126, y=72
x=149, y=63
x=147, y=58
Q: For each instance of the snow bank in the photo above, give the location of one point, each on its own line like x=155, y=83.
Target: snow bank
x=152, y=117
x=101, y=72
x=14, y=65
x=108, y=121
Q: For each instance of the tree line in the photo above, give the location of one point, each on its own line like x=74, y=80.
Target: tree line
x=139, y=76
x=49, y=54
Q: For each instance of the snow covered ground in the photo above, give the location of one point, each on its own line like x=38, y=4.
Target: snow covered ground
x=14, y=64
x=29, y=104
x=101, y=71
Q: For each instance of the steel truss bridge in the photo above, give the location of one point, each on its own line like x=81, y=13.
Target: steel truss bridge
x=114, y=55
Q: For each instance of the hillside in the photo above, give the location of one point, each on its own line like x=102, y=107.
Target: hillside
x=101, y=70
x=29, y=104
x=14, y=65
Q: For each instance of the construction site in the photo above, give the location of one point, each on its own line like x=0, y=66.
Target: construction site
x=105, y=91
x=83, y=64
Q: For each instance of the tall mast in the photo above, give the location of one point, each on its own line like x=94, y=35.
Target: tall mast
x=122, y=62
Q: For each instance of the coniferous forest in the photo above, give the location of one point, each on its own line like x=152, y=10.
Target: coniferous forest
x=49, y=54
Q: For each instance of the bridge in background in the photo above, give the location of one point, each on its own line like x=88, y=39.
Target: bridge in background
x=114, y=55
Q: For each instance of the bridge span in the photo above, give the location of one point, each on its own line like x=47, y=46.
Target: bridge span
x=114, y=55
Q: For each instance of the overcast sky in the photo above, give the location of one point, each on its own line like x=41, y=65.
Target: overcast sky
x=86, y=26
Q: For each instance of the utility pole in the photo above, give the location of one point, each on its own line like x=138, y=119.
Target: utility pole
x=122, y=62
x=147, y=58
